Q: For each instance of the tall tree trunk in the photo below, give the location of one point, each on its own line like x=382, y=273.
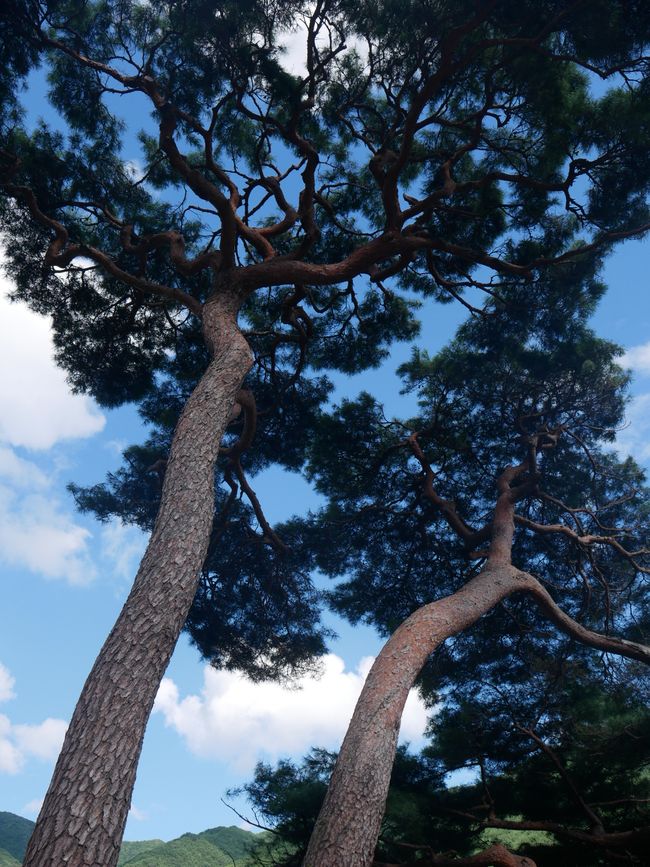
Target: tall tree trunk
x=83, y=816
x=348, y=825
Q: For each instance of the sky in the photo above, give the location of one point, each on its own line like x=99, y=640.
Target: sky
x=64, y=577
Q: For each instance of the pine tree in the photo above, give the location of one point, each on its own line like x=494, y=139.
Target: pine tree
x=437, y=156
x=503, y=491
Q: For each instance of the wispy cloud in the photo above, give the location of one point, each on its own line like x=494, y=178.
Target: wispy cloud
x=138, y=815
x=33, y=807
x=122, y=548
x=7, y=683
x=37, y=532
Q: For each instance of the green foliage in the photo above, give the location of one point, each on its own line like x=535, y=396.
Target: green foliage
x=288, y=797
x=132, y=848
x=481, y=399
x=540, y=372
x=534, y=110
x=7, y=860
x=484, y=125
x=602, y=737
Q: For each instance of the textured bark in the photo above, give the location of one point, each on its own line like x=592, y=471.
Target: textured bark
x=494, y=856
x=83, y=816
x=349, y=822
x=348, y=826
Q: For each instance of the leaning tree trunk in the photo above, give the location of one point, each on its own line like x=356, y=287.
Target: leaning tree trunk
x=348, y=825
x=83, y=816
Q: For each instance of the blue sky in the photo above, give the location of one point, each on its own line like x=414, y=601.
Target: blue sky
x=64, y=578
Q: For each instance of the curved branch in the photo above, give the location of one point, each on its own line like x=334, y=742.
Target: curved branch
x=494, y=856
x=357, y=792
x=59, y=253
x=176, y=243
x=245, y=403
x=637, y=838
x=447, y=509
x=587, y=541
x=607, y=643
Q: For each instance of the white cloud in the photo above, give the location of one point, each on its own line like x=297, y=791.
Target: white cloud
x=634, y=439
x=134, y=169
x=36, y=533
x=638, y=358
x=18, y=471
x=37, y=408
x=20, y=742
x=294, y=42
x=238, y=721
x=6, y=683
x=33, y=807
x=43, y=740
x=11, y=759
x=123, y=546
x=294, y=57
x=138, y=815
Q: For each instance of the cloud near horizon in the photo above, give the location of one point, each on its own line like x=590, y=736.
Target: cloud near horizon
x=241, y=722
x=20, y=742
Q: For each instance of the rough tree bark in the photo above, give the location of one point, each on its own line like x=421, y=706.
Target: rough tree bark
x=83, y=816
x=348, y=826
x=494, y=856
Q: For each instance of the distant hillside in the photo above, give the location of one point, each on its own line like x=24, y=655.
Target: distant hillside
x=7, y=860
x=14, y=835
x=216, y=847
x=132, y=848
x=232, y=840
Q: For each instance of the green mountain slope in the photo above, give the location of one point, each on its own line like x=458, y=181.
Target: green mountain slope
x=232, y=840
x=190, y=850
x=216, y=847
x=14, y=834
x=7, y=860
x=132, y=848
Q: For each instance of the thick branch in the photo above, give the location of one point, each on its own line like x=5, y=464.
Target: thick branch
x=607, y=643
x=637, y=838
x=447, y=509
x=494, y=856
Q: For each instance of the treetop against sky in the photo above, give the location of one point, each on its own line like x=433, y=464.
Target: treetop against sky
x=456, y=160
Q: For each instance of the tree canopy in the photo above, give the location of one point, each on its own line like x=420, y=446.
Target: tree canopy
x=191, y=215
x=558, y=735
